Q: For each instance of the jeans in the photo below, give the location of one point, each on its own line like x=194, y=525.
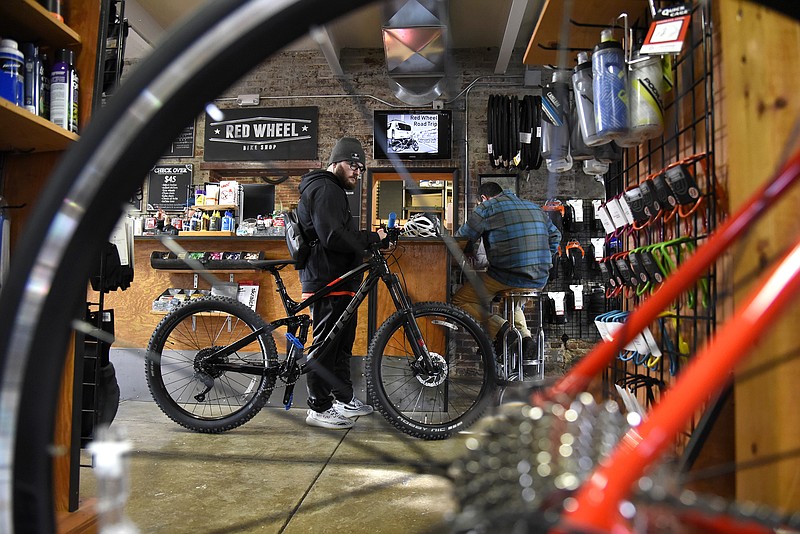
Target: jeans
x=467, y=298
x=329, y=377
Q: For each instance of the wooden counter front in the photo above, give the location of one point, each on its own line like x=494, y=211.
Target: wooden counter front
x=423, y=262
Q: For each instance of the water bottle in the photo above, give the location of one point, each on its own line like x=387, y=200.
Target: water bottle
x=12, y=72
x=584, y=100
x=577, y=147
x=555, y=122
x=608, y=86
x=646, y=88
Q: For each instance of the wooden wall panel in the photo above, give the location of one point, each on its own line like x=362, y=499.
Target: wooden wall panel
x=760, y=75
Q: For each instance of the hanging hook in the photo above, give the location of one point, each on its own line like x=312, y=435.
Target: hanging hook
x=626, y=40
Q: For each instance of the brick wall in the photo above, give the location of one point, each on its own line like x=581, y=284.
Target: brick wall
x=303, y=78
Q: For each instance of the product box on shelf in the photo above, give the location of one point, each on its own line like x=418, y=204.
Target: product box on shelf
x=175, y=297
x=228, y=192
x=248, y=293
x=215, y=260
x=426, y=200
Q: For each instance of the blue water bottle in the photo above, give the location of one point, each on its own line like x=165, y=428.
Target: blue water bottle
x=608, y=85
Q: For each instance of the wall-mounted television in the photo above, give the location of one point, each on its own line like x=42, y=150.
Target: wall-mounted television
x=413, y=134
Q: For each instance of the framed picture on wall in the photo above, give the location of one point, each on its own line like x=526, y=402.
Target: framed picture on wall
x=506, y=181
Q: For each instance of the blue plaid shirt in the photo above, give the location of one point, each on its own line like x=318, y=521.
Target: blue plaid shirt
x=519, y=237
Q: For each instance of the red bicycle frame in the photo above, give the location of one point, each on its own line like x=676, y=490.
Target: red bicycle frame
x=598, y=499
x=683, y=278
x=596, y=506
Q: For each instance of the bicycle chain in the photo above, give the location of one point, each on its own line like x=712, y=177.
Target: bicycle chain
x=525, y=462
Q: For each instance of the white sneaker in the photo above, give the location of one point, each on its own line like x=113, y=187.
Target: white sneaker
x=330, y=418
x=354, y=408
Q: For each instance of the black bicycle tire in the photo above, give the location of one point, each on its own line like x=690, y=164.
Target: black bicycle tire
x=195, y=311
x=16, y=360
x=489, y=131
x=536, y=145
x=375, y=383
x=197, y=61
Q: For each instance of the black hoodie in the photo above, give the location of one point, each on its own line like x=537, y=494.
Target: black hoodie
x=324, y=213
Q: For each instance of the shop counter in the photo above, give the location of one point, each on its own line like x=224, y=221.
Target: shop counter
x=422, y=264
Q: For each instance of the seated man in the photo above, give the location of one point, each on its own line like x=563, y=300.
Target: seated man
x=520, y=241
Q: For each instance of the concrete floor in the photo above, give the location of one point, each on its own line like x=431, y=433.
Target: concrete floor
x=276, y=474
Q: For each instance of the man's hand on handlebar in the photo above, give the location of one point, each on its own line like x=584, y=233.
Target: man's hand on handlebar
x=388, y=236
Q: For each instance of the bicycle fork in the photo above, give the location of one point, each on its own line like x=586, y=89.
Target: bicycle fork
x=423, y=363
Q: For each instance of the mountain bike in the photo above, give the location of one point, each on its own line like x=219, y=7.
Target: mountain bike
x=47, y=279
x=212, y=363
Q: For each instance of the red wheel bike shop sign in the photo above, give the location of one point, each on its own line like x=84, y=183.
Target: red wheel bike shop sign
x=262, y=134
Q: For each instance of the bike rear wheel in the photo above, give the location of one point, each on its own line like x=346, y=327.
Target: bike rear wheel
x=438, y=405
x=189, y=386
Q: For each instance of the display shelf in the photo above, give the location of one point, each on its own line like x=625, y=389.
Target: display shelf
x=27, y=20
x=199, y=314
x=25, y=132
x=584, y=29
x=214, y=207
x=206, y=233
x=189, y=270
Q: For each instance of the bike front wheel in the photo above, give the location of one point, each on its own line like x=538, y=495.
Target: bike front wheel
x=431, y=405
x=208, y=393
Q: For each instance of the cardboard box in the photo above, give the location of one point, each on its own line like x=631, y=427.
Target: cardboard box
x=248, y=294
x=175, y=297
x=229, y=192
x=427, y=200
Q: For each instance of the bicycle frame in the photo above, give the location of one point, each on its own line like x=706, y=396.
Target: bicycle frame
x=377, y=269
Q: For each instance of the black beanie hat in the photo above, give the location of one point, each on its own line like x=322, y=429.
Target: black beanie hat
x=347, y=149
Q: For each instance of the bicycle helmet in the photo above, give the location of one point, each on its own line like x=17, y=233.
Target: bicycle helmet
x=422, y=225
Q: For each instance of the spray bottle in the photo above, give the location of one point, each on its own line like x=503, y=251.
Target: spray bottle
x=64, y=91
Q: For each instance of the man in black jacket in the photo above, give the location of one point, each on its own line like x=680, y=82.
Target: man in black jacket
x=324, y=214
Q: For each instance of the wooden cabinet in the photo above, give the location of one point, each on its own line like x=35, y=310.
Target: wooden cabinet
x=30, y=147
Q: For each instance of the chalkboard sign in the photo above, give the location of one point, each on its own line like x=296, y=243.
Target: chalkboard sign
x=169, y=187
x=262, y=134
x=183, y=145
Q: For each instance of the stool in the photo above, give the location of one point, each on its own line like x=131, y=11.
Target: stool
x=512, y=361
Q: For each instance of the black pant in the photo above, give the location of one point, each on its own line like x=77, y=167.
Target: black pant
x=329, y=377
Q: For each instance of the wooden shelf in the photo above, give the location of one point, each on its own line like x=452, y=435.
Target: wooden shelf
x=222, y=170
x=206, y=233
x=215, y=207
x=214, y=271
x=584, y=32
x=27, y=20
x=23, y=131
x=199, y=314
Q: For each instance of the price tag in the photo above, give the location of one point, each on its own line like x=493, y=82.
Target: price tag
x=605, y=219
x=577, y=209
x=577, y=291
x=668, y=31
